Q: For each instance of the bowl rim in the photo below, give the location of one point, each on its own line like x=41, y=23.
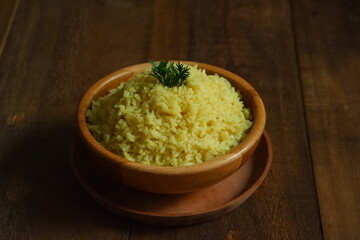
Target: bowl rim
x=255, y=133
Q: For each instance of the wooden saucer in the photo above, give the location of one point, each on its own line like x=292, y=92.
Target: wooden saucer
x=178, y=209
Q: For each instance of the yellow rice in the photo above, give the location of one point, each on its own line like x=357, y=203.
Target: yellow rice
x=144, y=121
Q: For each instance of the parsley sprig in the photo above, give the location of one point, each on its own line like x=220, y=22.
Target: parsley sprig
x=170, y=74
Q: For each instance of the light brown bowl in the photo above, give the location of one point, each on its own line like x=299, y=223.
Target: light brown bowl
x=169, y=180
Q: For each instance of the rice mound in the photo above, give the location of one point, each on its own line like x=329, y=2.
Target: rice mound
x=144, y=121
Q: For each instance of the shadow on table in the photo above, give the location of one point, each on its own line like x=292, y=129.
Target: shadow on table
x=42, y=192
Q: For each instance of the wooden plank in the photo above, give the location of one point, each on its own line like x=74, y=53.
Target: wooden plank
x=7, y=13
x=255, y=40
x=328, y=43
x=57, y=49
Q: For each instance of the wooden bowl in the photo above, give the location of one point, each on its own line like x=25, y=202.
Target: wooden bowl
x=170, y=180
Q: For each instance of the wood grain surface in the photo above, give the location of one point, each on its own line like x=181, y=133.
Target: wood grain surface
x=301, y=56
x=7, y=13
x=328, y=43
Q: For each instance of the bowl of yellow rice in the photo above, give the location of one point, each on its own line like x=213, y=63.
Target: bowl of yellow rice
x=161, y=139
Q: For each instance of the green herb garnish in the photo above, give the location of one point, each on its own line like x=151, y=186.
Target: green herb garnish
x=170, y=74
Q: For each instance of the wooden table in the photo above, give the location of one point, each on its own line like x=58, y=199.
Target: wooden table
x=302, y=56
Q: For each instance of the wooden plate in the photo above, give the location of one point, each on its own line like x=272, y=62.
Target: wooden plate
x=178, y=209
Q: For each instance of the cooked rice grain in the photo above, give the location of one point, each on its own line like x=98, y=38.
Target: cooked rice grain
x=146, y=122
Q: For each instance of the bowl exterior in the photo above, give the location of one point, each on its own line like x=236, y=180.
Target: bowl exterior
x=169, y=180
x=166, y=182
